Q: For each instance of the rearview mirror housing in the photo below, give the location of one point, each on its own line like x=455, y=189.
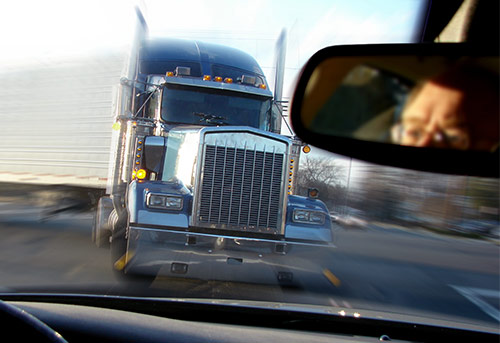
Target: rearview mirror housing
x=352, y=100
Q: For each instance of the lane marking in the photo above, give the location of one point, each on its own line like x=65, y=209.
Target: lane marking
x=474, y=296
x=331, y=277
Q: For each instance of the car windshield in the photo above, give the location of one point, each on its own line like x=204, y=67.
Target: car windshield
x=95, y=199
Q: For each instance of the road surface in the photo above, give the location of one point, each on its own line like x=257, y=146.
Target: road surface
x=376, y=268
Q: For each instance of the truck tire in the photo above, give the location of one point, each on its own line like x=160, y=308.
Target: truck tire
x=101, y=230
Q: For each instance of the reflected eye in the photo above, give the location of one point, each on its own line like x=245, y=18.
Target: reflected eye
x=413, y=133
x=457, y=139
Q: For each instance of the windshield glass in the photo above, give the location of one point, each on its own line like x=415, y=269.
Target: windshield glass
x=201, y=106
x=208, y=212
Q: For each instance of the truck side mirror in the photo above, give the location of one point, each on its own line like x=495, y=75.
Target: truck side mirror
x=154, y=152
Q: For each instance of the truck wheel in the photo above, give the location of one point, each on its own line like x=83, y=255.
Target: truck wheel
x=101, y=230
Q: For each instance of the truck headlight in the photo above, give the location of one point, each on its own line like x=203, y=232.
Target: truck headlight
x=162, y=201
x=300, y=216
x=317, y=217
x=308, y=217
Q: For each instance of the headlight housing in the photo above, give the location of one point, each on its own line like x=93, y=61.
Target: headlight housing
x=164, y=202
x=308, y=217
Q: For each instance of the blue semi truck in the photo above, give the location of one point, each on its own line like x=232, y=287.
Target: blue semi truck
x=202, y=182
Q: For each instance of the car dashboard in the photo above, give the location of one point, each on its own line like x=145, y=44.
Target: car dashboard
x=122, y=319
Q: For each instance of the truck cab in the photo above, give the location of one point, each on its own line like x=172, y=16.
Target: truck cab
x=206, y=181
x=195, y=83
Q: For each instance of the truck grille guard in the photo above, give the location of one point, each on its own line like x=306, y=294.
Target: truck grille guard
x=242, y=188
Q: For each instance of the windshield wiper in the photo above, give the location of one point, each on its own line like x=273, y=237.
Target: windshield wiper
x=211, y=118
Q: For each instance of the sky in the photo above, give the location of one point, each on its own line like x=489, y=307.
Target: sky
x=254, y=26
x=45, y=29
x=49, y=30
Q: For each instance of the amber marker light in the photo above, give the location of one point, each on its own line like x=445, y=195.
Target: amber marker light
x=262, y=86
x=306, y=149
x=141, y=174
x=228, y=80
x=218, y=79
x=207, y=77
x=170, y=73
x=313, y=193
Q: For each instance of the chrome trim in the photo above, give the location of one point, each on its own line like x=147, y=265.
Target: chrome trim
x=237, y=238
x=247, y=140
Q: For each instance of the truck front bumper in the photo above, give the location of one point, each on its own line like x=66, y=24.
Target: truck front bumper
x=228, y=258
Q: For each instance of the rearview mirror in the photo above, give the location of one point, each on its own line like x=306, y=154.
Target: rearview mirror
x=432, y=107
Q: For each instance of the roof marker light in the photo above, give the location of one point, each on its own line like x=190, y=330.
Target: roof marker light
x=170, y=73
x=207, y=77
x=262, y=86
x=228, y=80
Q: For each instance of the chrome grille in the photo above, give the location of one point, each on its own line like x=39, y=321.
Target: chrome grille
x=241, y=189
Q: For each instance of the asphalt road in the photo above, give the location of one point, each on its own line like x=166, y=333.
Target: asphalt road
x=375, y=268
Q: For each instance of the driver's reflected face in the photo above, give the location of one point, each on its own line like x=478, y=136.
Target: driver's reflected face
x=435, y=117
x=454, y=110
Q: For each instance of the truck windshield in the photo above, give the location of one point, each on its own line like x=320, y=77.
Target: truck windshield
x=208, y=107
